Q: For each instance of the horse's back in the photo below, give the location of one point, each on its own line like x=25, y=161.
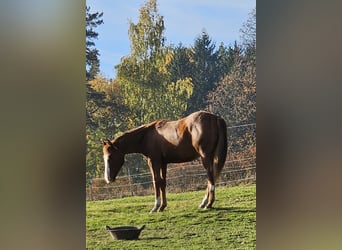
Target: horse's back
x=192, y=127
x=185, y=128
x=200, y=118
x=186, y=139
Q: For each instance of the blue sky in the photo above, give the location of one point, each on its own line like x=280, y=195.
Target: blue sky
x=184, y=21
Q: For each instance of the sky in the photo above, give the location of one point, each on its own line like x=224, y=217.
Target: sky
x=184, y=21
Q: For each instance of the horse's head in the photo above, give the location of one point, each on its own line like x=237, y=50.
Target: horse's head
x=113, y=159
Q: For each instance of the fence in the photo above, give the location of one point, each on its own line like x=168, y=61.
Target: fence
x=180, y=178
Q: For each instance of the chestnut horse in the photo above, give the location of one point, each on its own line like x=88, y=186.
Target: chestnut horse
x=201, y=134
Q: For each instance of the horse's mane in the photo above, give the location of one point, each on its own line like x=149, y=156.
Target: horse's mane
x=139, y=129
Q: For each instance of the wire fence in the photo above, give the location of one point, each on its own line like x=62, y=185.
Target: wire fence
x=181, y=177
x=242, y=125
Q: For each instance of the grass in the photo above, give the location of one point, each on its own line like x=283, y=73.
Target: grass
x=231, y=224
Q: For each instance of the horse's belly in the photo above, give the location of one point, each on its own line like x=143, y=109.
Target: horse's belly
x=178, y=155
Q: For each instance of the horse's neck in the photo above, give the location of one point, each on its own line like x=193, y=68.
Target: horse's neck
x=132, y=141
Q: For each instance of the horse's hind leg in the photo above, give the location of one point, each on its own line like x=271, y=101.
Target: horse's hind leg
x=205, y=199
x=211, y=191
x=209, y=198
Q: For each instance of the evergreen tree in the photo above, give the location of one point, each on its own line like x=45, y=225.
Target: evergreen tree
x=205, y=72
x=92, y=54
x=94, y=98
x=94, y=102
x=180, y=66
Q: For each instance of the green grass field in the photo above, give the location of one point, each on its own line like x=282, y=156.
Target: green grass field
x=231, y=224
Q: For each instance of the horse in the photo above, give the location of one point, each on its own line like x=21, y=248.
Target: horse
x=200, y=134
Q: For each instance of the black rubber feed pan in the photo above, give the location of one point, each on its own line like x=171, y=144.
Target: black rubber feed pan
x=125, y=232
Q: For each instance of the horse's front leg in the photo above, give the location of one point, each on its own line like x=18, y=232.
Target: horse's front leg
x=157, y=199
x=156, y=184
x=163, y=188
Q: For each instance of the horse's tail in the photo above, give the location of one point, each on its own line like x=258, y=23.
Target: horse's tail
x=221, y=148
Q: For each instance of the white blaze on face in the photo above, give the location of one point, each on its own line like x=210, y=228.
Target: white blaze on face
x=107, y=170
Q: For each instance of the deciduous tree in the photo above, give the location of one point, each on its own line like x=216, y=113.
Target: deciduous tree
x=145, y=81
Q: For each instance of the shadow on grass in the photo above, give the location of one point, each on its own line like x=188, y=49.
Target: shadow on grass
x=110, y=210
x=154, y=238
x=230, y=209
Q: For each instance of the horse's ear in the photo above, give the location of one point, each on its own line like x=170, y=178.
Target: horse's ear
x=109, y=142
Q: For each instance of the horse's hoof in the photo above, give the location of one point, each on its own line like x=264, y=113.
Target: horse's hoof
x=154, y=210
x=161, y=209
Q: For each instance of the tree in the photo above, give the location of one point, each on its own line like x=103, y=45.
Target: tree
x=92, y=54
x=145, y=81
x=94, y=103
x=235, y=96
x=180, y=66
x=205, y=71
x=105, y=119
x=248, y=35
x=226, y=58
x=147, y=88
x=95, y=99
